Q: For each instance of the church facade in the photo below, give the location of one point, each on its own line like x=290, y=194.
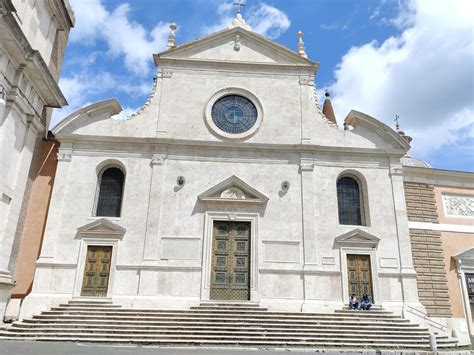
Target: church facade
x=230, y=184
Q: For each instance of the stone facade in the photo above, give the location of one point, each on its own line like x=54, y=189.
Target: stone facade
x=179, y=169
x=29, y=71
x=442, y=238
x=427, y=250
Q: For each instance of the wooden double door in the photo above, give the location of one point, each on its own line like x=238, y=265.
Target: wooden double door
x=96, y=271
x=359, y=274
x=230, y=270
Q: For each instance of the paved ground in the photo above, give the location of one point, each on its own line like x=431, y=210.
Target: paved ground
x=46, y=348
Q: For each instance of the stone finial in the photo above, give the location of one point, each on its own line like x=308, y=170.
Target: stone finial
x=239, y=21
x=301, y=49
x=172, y=36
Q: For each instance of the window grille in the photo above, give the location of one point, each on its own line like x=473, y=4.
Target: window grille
x=109, y=202
x=349, y=201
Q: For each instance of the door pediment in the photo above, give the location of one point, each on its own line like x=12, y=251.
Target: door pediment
x=233, y=190
x=101, y=228
x=358, y=237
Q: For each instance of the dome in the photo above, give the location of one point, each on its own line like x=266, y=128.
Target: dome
x=409, y=161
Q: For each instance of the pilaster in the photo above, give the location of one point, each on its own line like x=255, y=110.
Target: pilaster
x=308, y=213
x=150, y=247
x=407, y=271
x=306, y=86
x=58, y=200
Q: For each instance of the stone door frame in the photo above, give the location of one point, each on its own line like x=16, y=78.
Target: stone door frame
x=371, y=252
x=209, y=219
x=85, y=243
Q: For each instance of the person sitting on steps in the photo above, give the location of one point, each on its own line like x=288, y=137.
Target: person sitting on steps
x=365, y=302
x=353, y=302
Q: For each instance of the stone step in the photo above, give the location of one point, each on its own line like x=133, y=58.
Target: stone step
x=372, y=310
x=229, y=304
x=84, y=301
x=189, y=314
x=223, y=323
x=260, y=311
x=224, y=340
x=237, y=333
x=311, y=325
x=90, y=305
x=281, y=338
x=228, y=342
x=237, y=328
x=221, y=319
x=229, y=308
x=292, y=323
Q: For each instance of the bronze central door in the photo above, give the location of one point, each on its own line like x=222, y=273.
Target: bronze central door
x=360, y=275
x=230, y=276
x=96, y=271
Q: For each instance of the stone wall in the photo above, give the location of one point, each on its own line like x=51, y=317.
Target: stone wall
x=427, y=250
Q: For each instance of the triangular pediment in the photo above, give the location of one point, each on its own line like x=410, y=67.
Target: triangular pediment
x=235, y=45
x=466, y=256
x=358, y=237
x=233, y=190
x=101, y=228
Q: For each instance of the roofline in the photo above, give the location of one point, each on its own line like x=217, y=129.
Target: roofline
x=111, y=106
x=442, y=177
x=354, y=115
x=258, y=37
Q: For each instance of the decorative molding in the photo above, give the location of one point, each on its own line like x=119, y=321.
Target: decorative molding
x=328, y=260
x=444, y=227
x=232, y=145
x=233, y=190
x=449, y=178
x=358, y=238
x=396, y=171
x=213, y=128
x=101, y=228
x=64, y=155
x=158, y=159
x=306, y=81
x=458, y=205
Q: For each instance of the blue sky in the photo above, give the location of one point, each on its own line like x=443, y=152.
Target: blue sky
x=414, y=58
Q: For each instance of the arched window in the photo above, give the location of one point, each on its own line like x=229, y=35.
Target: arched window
x=350, y=201
x=109, y=202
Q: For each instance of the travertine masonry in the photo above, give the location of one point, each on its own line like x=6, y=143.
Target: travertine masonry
x=427, y=250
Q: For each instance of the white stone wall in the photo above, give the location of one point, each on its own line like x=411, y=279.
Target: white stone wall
x=298, y=248
x=38, y=25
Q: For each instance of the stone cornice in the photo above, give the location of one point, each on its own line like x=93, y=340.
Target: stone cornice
x=66, y=19
x=244, y=146
x=226, y=65
x=292, y=56
x=23, y=54
x=438, y=176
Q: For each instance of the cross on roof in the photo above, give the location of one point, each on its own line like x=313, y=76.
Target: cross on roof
x=239, y=3
x=397, y=123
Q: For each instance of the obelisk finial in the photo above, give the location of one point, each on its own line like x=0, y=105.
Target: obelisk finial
x=301, y=49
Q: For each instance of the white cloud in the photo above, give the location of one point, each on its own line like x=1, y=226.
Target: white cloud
x=263, y=18
x=123, y=36
x=425, y=75
x=269, y=21
x=86, y=88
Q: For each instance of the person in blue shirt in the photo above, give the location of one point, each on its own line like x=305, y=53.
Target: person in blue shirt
x=365, y=302
x=353, y=302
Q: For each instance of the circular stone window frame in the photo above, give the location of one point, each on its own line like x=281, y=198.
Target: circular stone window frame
x=233, y=91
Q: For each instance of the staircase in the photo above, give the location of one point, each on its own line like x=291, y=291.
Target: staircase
x=221, y=324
